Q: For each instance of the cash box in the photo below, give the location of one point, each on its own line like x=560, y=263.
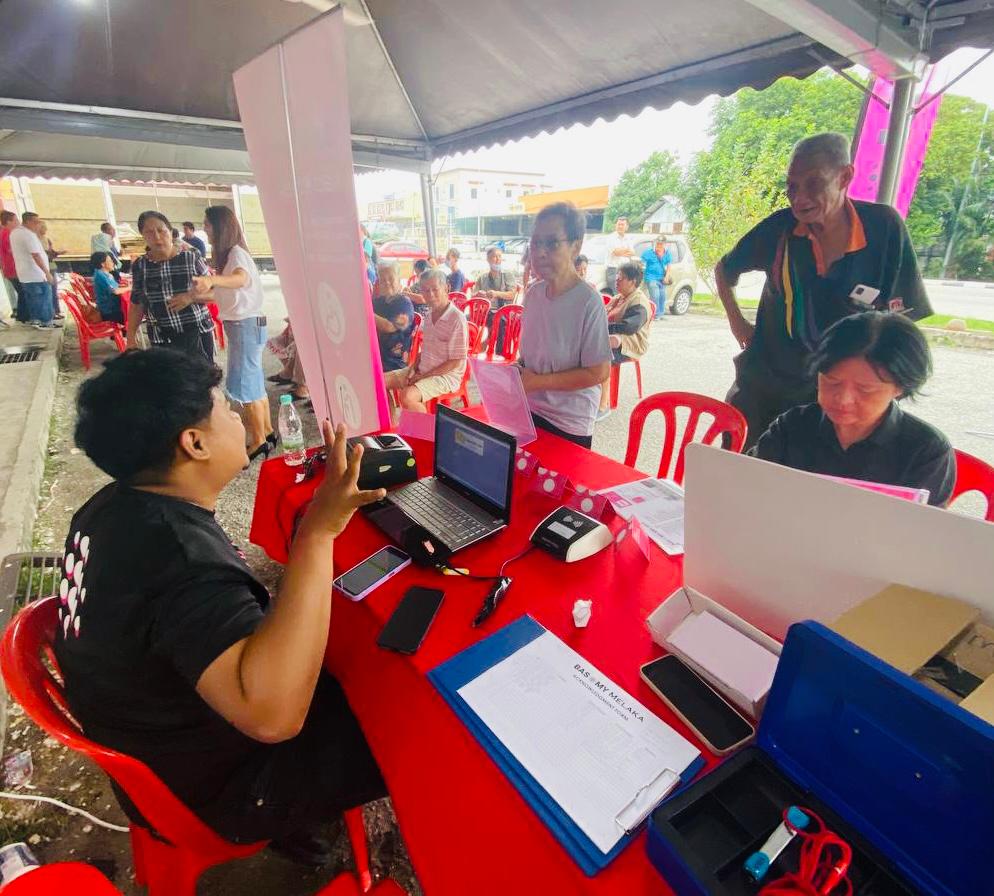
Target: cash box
x=898, y=771
x=387, y=460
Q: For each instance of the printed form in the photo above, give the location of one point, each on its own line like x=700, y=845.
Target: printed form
x=599, y=753
x=658, y=506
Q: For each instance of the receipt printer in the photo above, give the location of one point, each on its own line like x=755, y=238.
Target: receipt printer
x=570, y=535
x=386, y=460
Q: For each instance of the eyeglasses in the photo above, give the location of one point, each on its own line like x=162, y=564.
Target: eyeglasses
x=550, y=244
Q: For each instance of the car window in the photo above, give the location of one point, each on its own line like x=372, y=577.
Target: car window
x=642, y=245
x=676, y=250
x=595, y=248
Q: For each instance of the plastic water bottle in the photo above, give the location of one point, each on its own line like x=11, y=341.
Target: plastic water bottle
x=291, y=433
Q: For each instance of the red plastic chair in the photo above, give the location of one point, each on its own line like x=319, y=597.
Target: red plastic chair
x=462, y=393
x=607, y=297
x=477, y=311
x=726, y=420
x=615, y=384
x=170, y=861
x=511, y=316
x=345, y=885
x=459, y=299
x=74, y=878
x=467, y=287
x=974, y=475
x=88, y=332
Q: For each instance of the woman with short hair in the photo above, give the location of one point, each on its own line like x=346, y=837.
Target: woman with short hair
x=865, y=364
x=106, y=292
x=237, y=289
x=629, y=319
x=161, y=292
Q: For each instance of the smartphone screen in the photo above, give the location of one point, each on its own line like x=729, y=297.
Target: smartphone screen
x=706, y=711
x=407, y=627
x=361, y=579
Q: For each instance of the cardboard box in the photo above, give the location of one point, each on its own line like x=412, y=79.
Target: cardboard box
x=937, y=640
x=686, y=601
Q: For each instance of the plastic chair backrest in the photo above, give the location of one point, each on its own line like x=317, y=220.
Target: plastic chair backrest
x=415, y=351
x=73, y=304
x=607, y=297
x=511, y=315
x=458, y=299
x=474, y=340
x=477, y=311
x=27, y=640
x=61, y=877
x=727, y=419
x=974, y=475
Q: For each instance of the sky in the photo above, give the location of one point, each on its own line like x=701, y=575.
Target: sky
x=583, y=156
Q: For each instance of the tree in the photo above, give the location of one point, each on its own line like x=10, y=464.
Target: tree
x=641, y=187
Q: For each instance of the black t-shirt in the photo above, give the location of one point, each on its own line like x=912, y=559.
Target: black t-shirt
x=902, y=450
x=153, y=592
x=799, y=303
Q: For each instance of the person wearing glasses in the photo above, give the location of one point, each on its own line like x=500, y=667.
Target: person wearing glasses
x=565, y=352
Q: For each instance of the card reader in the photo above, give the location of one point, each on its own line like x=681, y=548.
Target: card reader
x=571, y=535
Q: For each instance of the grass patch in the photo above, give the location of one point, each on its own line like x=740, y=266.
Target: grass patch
x=940, y=321
x=706, y=299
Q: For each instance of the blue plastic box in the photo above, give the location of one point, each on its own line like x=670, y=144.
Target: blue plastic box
x=906, y=776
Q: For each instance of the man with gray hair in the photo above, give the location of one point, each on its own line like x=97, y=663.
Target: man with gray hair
x=393, y=314
x=825, y=257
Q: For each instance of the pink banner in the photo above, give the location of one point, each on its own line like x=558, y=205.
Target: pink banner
x=917, y=145
x=293, y=103
x=869, y=154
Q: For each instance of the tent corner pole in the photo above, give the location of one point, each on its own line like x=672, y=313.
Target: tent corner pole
x=897, y=134
x=428, y=206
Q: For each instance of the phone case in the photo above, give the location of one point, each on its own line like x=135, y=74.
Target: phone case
x=358, y=597
x=689, y=724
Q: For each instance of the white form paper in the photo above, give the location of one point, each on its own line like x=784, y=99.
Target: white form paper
x=658, y=506
x=599, y=753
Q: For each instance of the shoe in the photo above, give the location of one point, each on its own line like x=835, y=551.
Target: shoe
x=296, y=397
x=58, y=316
x=279, y=380
x=264, y=450
x=603, y=414
x=51, y=325
x=305, y=848
x=271, y=438
x=5, y=324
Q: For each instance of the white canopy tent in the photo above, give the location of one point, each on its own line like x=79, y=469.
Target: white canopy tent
x=142, y=90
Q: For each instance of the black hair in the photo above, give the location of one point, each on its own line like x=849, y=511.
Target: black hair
x=97, y=259
x=580, y=259
x=574, y=220
x=175, y=233
x=144, y=216
x=890, y=343
x=189, y=224
x=106, y=226
x=7, y=215
x=631, y=270
x=130, y=416
x=420, y=266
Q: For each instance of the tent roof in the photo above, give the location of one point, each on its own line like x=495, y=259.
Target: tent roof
x=426, y=78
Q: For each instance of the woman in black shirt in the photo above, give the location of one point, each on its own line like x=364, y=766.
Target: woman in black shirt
x=866, y=364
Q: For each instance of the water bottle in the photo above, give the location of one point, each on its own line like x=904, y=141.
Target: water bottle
x=16, y=860
x=291, y=433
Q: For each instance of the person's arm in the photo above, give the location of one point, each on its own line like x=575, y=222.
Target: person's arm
x=908, y=284
x=630, y=322
x=441, y=370
x=136, y=314
x=264, y=683
x=383, y=325
x=237, y=279
x=202, y=283
x=772, y=444
x=742, y=330
x=41, y=260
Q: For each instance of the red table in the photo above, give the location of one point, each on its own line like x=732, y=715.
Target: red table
x=466, y=827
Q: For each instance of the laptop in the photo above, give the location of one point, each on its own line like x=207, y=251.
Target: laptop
x=469, y=495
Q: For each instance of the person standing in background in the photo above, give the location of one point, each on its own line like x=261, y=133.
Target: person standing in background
x=106, y=241
x=657, y=261
x=191, y=239
x=237, y=289
x=53, y=268
x=8, y=221
x=456, y=278
x=31, y=264
x=565, y=353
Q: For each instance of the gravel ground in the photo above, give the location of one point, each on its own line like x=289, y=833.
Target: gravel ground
x=691, y=353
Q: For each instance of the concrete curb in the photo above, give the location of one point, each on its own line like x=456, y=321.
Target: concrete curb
x=19, y=506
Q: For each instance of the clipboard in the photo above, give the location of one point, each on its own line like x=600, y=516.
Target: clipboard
x=472, y=662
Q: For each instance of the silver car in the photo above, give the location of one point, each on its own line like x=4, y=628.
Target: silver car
x=682, y=271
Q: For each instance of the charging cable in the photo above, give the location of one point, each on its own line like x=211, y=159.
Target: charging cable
x=823, y=866
x=37, y=798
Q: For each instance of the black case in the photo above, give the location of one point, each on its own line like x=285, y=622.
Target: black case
x=387, y=460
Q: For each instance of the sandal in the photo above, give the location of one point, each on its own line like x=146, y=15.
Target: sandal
x=271, y=438
x=279, y=379
x=297, y=397
x=263, y=450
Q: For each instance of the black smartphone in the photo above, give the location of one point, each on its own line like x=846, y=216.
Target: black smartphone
x=372, y=572
x=407, y=627
x=713, y=719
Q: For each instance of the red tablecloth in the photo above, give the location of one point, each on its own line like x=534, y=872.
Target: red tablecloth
x=466, y=827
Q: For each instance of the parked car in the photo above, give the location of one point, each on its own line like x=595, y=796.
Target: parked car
x=404, y=253
x=682, y=271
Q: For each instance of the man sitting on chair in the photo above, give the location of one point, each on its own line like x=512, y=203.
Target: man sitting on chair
x=441, y=364
x=168, y=645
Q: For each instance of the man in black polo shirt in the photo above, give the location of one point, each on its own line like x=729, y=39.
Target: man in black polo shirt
x=825, y=257
x=167, y=642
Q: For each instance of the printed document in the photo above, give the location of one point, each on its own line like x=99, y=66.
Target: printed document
x=599, y=753
x=658, y=506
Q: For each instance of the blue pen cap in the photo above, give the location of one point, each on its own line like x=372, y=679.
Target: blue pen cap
x=757, y=865
x=797, y=818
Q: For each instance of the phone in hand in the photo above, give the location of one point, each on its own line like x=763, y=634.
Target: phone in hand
x=371, y=573
x=709, y=715
x=406, y=628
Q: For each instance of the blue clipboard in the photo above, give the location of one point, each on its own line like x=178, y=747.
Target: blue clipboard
x=468, y=665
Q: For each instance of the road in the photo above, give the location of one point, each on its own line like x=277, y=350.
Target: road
x=948, y=297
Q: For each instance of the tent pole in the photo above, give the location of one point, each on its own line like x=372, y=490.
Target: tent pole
x=428, y=205
x=897, y=134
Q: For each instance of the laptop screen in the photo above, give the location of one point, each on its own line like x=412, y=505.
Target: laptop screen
x=476, y=457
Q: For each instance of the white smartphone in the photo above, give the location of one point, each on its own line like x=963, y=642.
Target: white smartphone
x=372, y=572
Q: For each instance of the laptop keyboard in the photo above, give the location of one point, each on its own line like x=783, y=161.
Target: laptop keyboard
x=441, y=517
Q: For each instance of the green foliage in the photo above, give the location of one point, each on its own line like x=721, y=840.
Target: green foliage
x=642, y=186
